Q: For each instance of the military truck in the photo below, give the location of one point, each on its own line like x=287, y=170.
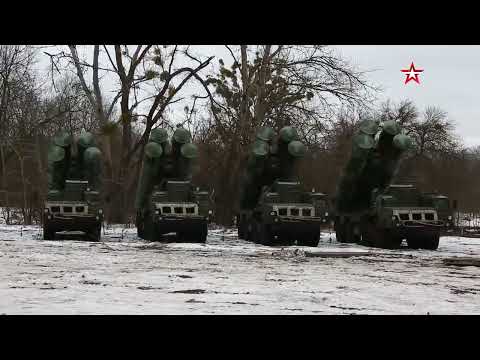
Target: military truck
x=396, y=213
x=176, y=207
x=274, y=209
x=285, y=215
x=369, y=209
x=78, y=208
x=167, y=201
x=73, y=201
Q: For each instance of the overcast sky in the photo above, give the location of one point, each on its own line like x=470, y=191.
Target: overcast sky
x=449, y=80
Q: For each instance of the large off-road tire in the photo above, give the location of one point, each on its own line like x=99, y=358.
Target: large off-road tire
x=252, y=235
x=140, y=223
x=353, y=237
x=151, y=232
x=202, y=239
x=266, y=237
x=240, y=228
x=203, y=235
x=310, y=239
x=386, y=240
x=414, y=242
x=345, y=234
x=380, y=237
x=286, y=239
x=48, y=234
x=262, y=234
x=249, y=231
x=198, y=235
x=431, y=242
x=94, y=234
x=340, y=232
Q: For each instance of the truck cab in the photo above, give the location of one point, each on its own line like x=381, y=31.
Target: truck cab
x=77, y=208
x=176, y=207
x=407, y=213
x=284, y=214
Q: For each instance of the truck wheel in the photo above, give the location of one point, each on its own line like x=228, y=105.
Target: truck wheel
x=140, y=228
x=350, y=236
x=316, y=239
x=263, y=234
x=285, y=238
x=240, y=228
x=241, y=231
x=386, y=240
x=94, y=234
x=254, y=236
x=267, y=237
x=150, y=231
x=250, y=231
x=48, y=234
x=414, y=242
x=203, y=236
x=340, y=232
x=198, y=236
x=431, y=242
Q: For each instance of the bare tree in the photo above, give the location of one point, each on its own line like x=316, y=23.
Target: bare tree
x=432, y=130
x=434, y=133
x=19, y=115
x=148, y=79
x=274, y=85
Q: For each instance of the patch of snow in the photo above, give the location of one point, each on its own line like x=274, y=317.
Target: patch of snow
x=124, y=274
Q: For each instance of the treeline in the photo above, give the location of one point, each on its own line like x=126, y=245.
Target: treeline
x=121, y=93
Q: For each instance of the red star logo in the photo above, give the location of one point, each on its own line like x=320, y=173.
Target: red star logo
x=412, y=74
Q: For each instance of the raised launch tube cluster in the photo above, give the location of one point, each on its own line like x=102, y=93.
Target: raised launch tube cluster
x=272, y=156
x=375, y=157
x=75, y=159
x=165, y=159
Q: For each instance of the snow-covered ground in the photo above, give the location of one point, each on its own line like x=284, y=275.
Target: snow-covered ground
x=123, y=274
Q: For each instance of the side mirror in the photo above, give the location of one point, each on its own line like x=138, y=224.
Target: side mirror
x=455, y=204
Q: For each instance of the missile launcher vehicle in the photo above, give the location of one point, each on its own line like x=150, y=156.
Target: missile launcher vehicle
x=274, y=208
x=74, y=198
x=167, y=201
x=374, y=210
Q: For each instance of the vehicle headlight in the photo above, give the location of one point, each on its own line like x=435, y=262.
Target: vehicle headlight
x=46, y=210
x=450, y=217
x=100, y=211
x=157, y=212
x=273, y=213
x=326, y=213
x=276, y=220
x=210, y=212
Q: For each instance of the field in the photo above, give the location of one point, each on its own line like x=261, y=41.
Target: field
x=123, y=274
